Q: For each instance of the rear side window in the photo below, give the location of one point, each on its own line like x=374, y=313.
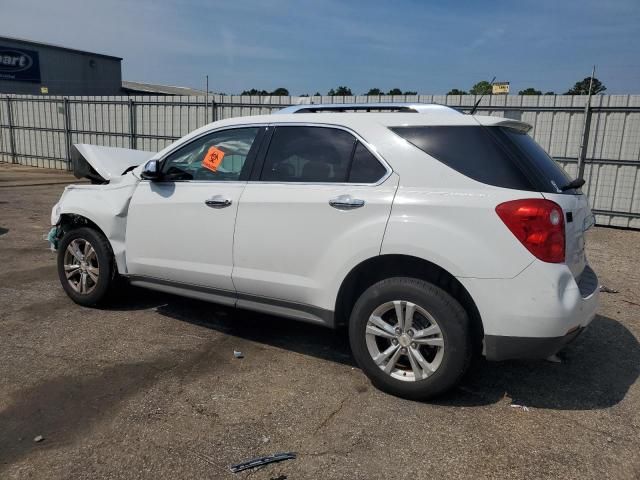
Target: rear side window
x=319, y=155
x=471, y=151
x=308, y=154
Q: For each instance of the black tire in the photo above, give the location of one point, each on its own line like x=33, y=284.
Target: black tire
x=105, y=262
x=450, y=317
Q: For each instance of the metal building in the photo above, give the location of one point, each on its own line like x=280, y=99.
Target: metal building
x=35, y=68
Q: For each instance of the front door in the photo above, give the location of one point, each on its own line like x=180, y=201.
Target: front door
x=180, y=229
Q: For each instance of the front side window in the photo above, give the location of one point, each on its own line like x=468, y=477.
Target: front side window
x=217, y=156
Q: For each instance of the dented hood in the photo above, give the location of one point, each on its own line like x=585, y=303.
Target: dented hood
x=101, y=164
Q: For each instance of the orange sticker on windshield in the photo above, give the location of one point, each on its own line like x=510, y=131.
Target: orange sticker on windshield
x=213, y=159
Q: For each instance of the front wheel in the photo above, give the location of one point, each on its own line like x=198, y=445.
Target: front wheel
x=410, y=337
x=85, y=266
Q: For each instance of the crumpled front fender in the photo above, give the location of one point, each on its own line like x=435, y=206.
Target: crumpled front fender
x=106, y=206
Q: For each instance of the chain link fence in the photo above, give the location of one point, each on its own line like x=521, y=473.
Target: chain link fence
x=39, y=131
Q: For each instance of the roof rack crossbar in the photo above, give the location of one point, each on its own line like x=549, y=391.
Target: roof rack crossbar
x=367, y=107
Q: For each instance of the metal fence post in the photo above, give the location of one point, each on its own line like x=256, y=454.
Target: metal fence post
x=132, y=124
x=213, y=110
x=67, y=129
x=584, y=144
x=12, y=141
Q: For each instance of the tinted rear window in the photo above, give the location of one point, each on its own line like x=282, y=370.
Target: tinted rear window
x=497, y=156
x=553, y=175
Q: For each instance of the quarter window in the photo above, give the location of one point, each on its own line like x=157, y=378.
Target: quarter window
x=365, y=167
x=219, y=156
x=470, y=150
x=499, y=156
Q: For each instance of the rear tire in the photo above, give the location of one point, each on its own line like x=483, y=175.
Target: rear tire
x=421, y=356
x=85, y=266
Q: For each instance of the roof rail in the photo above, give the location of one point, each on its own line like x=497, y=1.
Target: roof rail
x=367, y=107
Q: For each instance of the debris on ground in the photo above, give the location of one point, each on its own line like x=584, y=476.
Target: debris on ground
x=260, y=461
x=238, y=354
x=554, y=359
x=38, y=439
x=265, y=439
x=522, y=407
x=605, y=289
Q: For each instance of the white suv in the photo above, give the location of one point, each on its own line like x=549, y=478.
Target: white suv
x=429, y=233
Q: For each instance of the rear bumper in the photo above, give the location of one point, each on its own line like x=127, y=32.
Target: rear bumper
x=526, y=348
x=536, y=313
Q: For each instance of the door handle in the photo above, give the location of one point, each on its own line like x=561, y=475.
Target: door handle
x=346, y=202
x=218, y=201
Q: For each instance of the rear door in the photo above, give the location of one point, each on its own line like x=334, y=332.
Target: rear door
x=317, y=206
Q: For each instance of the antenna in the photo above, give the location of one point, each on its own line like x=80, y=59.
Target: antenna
x=475, y=107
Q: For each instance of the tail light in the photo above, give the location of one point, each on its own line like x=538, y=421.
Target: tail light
x=538, y=224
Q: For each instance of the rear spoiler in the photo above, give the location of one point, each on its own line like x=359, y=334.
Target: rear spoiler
x=100, y=164
x=500, y=122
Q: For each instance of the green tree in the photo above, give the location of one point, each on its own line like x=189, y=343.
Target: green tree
x=549, y=93
x=582, y=87
x=481, y=88
x=304, y=94
x=254, y=91
x=341, y=90
x=410, y=93
x=530, y=91
x=317, y=94
x=280, y=92
x=455, y=91
x=374, y=91
x=395, y=91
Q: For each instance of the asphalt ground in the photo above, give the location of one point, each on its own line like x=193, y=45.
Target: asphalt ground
x=148, y=386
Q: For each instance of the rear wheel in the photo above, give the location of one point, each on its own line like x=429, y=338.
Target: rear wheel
x=85, y=266
x=410, y=337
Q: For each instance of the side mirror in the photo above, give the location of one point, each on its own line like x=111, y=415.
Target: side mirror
x=151, y=171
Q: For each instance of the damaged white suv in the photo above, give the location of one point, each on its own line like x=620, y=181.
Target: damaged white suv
x=429, y=233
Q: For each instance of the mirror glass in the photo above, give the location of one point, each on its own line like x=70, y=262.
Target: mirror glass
x=151, y=170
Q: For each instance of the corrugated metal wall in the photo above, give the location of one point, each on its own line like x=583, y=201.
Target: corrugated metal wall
x=37, y=131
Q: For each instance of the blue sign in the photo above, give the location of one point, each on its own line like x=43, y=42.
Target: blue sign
x=19, y=65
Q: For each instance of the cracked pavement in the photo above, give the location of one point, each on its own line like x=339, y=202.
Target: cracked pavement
x=148, y=387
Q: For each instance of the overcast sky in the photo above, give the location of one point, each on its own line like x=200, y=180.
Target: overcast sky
x=307, y=46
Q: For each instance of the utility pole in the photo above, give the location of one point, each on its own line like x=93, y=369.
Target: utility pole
x=206, y=94
x=585, y=129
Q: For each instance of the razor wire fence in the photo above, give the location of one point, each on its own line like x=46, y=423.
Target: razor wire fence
x=38, y=131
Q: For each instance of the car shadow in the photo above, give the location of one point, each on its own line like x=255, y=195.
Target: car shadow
x=596, y=371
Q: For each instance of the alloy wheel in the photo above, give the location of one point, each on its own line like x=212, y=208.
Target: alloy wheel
x=404, y=340
x=81, y=266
